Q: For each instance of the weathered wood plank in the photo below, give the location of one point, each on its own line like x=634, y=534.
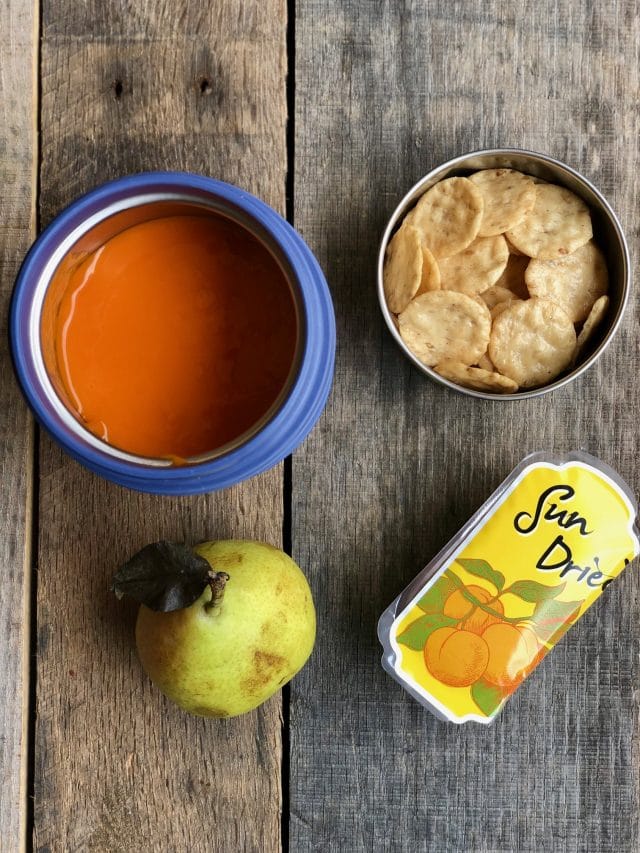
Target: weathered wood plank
x=385, y=91
x=117, y=767
x=18, y=158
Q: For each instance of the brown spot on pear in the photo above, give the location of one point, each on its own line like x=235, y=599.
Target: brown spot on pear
x=267, y=668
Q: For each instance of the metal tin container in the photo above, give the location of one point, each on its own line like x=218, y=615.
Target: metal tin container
x=109, y=210
x=607, y=233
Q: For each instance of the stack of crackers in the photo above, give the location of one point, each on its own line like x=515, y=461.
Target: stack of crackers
x=495, y=280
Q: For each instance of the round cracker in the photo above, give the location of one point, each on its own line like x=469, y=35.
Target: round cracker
x=448, y=216
x=508, y=196
x=574, y=282
x=513, y=276
x=596, y=316
x=475, y=377
x=402, y=268
x=430, y=273
x=496, y=295
x=558, y=223
x=477, y=267
x=532, y=341
x=444, y=325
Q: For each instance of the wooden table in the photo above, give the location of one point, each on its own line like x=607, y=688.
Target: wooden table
x=329, y=110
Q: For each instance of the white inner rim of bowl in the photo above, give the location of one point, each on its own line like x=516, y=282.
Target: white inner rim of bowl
x=61, y=411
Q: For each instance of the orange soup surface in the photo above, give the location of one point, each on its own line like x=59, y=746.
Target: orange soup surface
x=173, y=338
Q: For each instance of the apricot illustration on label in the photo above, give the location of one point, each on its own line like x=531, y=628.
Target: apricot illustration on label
x=468, y=640
x=456, y=657
x=459, y=605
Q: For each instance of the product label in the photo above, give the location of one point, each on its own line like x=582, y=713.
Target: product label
x=556, y=539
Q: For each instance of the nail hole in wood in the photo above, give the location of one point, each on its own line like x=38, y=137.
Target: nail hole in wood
x=117, y=88
x=205, y=86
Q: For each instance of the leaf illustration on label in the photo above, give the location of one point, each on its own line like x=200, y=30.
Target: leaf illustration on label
x=454, y=579
x=551, y=618
x=487, y=697
x=482, y=569
x=434, y=599
x=416, y=634
x=534, y=592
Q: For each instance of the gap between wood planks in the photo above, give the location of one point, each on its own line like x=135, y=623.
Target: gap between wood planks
x=32, y=564
x=287, y=483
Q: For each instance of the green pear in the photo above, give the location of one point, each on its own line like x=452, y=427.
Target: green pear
x=248, y=633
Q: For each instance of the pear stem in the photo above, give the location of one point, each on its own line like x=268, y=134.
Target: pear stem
x=217, y=582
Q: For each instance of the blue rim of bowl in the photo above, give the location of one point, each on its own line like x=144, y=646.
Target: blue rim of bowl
x=308, y=391
x=459, y=162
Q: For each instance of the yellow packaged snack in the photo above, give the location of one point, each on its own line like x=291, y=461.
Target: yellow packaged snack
x=487, y=609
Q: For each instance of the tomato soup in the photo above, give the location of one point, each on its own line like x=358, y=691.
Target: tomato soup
x=173, y=338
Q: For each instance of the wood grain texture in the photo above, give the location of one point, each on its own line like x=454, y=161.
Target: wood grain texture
x=117, y=767
x=386, y=91
x=18, y=157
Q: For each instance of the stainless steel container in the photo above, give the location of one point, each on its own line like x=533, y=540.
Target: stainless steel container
x=606, y=229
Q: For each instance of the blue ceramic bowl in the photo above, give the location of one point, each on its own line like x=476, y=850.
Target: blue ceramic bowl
x=108, y=210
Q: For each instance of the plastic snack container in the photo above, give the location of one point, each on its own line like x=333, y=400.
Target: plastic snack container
x=486, y=610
